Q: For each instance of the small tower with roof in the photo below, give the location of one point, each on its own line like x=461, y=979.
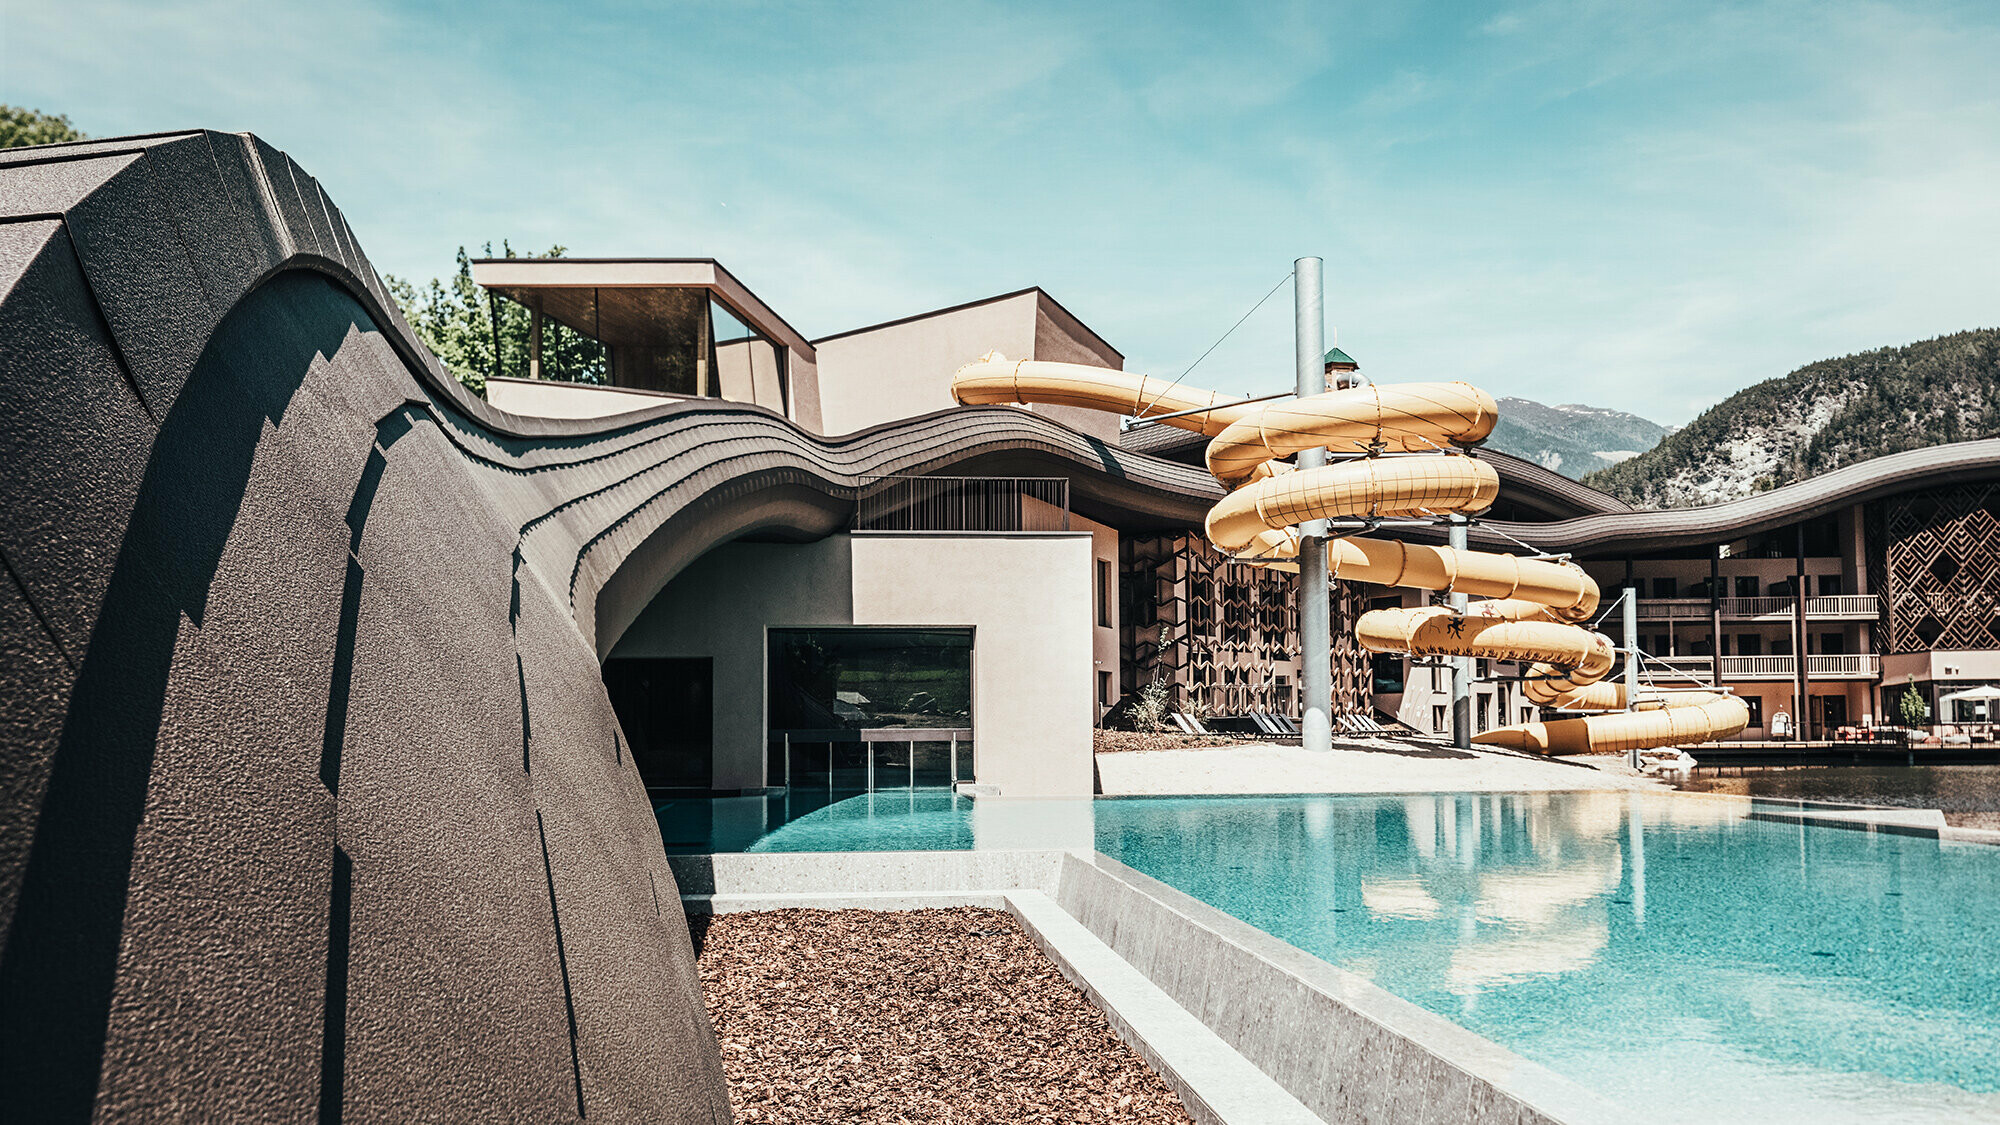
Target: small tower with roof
x=1341, y=370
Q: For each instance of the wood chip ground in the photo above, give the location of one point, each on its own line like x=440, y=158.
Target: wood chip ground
x=948, y=1016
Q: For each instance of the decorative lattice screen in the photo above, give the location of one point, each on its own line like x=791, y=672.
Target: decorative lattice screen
x=1231, y=629
x=1940, y=549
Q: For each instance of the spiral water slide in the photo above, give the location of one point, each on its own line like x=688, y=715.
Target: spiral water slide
x=1400, y=453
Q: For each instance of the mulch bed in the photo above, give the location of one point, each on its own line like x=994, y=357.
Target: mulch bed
x=1118, y=741
x=913, y=1016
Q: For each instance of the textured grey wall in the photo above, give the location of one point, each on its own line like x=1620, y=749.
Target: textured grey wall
x=311, y=801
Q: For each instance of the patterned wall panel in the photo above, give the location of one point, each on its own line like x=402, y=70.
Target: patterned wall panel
x=1231, y=630
x=1939, y=551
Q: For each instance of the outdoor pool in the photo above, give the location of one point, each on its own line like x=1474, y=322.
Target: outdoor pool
x=1662, y=949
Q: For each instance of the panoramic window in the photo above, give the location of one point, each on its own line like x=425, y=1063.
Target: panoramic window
x=859, y=679
x=677, y=340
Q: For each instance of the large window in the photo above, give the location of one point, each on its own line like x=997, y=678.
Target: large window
x=856, y=679
x=840, y=700
x=676, y=340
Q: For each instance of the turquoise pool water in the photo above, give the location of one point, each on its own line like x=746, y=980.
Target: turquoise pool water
x=1666, y=951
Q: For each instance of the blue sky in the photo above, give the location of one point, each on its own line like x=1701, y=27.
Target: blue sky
x=1642, y=206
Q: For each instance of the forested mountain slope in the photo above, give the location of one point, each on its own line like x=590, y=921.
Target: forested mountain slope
x=1822, y=416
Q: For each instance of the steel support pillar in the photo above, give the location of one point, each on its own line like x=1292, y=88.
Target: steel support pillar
x=1631, y=628
x=1461, y=666
x=1315, y=592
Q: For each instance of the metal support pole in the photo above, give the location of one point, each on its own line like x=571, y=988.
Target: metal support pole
x=1631, y=624
x=1461, y=666
x=1802, y=718
x=1715, y=618
x=1315, y=603
x=535, y=343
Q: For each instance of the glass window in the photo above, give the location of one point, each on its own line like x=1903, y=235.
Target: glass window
x=1663, y=587
x=1104, y=589
x=1388, y=669
x=727, y=327
x=854, y=679
x=1746, y=585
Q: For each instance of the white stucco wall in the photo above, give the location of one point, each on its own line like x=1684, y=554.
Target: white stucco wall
x=1026, y=598
x=903, y=370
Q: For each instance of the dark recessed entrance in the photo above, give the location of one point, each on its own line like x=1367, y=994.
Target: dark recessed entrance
x=667, y=707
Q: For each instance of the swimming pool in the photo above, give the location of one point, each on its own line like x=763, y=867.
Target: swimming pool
x=1664, y=950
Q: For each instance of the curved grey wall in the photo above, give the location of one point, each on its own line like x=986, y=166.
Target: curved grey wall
x=311, y=800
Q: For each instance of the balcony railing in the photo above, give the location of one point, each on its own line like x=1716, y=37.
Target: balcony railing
x=1863, y=607
x=1673, y=670
x=979, y=504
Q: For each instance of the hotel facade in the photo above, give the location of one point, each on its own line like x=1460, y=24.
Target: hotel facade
x=1883, y=576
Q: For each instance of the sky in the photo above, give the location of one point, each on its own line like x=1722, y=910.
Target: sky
x=1644, y=206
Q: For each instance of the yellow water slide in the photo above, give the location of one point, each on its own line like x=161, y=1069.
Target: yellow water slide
x=1399, y=453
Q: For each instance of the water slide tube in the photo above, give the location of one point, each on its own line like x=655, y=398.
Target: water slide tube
x=1401, y=454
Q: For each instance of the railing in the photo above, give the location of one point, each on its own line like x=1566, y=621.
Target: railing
x=1672, y=671
x=1866, y=606
x=1834, y=666
x=979, y=504
x=1655, y=609
x=1679, y=671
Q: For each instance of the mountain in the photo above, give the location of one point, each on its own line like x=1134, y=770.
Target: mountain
x=1822, y=416
x=1571, y=439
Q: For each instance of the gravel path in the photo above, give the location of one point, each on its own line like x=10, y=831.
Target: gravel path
x=948, y=1016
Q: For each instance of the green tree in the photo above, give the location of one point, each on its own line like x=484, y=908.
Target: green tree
x=20, y=127
x=1912, y=704
x=477, y=334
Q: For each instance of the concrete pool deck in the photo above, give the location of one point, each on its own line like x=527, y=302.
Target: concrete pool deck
x=1376, y=766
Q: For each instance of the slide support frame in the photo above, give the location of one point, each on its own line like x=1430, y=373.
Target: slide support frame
x=1315, y=589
